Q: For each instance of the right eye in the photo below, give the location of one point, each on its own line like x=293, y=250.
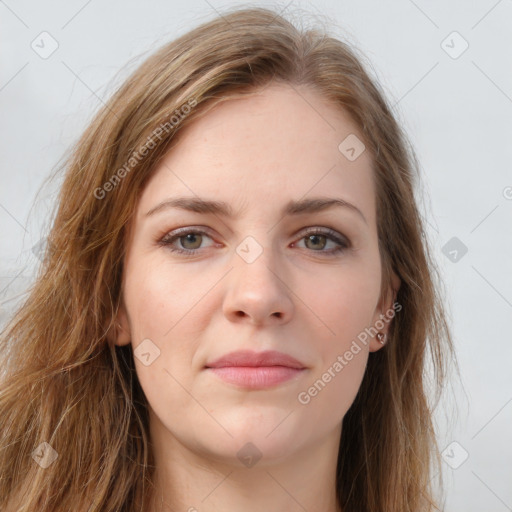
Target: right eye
x=184, y=236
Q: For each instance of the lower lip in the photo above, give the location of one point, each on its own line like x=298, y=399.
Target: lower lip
x=258, y=377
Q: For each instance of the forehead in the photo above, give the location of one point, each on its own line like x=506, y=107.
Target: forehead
x=279, y=144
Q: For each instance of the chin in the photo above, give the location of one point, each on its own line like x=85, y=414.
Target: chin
x=252, y=450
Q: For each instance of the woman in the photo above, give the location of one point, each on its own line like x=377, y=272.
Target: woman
x=237, y=299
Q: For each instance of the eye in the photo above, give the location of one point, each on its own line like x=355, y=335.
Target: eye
x=188, y=238
x=316, y=239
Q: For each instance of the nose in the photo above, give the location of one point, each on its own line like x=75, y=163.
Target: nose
x=258, y=292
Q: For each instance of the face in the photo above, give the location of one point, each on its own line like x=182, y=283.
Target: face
x=198, y=285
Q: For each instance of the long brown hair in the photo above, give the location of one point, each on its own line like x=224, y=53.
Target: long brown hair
x=69, y=392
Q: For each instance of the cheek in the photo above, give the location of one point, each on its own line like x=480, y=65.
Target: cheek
x=159, y=297
x=164, y=307
x=347, y=312
x=332, y=391
x=159, y=306
x=346, y=302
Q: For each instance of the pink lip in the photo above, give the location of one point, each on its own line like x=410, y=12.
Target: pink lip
x=256, y=370
x=259, y=377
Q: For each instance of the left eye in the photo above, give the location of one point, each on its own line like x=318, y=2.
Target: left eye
x=190, y=240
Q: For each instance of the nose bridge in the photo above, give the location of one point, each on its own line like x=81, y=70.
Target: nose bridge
x=256, y=286
x=256, y=261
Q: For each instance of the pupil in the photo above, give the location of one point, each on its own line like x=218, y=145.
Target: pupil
x=315, y=238
x=190, y=238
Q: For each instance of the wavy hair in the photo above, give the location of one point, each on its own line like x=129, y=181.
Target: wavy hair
x=68, y=385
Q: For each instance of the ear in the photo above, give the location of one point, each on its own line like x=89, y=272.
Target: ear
x=119, y=333
x=385, y=313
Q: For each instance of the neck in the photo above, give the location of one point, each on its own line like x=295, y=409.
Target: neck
x=191, y=481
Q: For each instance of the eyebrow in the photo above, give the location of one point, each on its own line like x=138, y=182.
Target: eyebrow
x=303, y=206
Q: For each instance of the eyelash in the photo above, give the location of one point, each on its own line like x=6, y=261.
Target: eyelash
x=169, y=238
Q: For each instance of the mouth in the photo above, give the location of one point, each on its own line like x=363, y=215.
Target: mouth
x=256, y=377
x=256, y=370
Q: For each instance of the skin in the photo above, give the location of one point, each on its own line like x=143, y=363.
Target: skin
x=256, y=154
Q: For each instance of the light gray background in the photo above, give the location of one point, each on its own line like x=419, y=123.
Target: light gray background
x=456, y=108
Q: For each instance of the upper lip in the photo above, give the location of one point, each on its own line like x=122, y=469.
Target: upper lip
x=250, y=358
